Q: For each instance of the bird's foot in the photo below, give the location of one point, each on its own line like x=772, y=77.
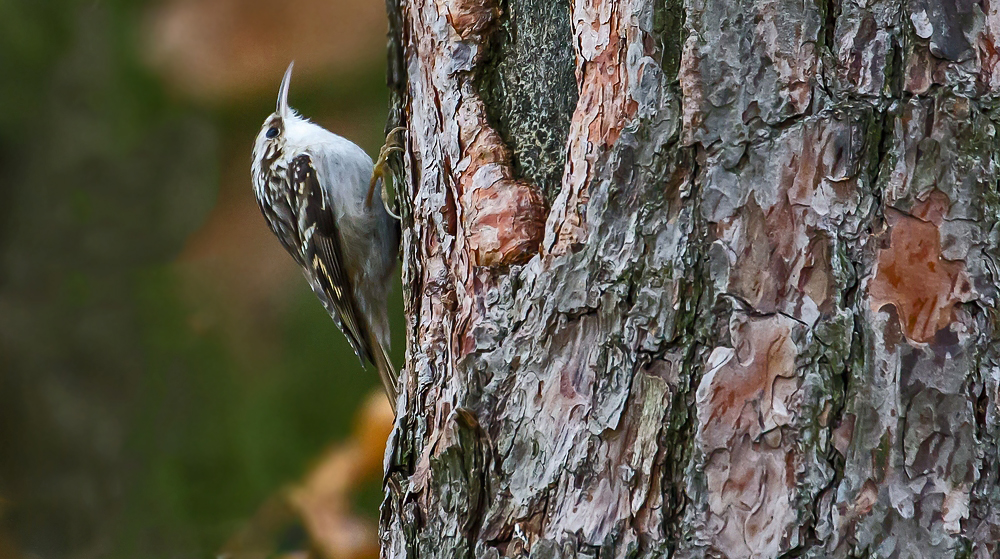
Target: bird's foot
x=392, y=144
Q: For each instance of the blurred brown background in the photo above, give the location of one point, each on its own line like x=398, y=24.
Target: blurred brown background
x=169, y=387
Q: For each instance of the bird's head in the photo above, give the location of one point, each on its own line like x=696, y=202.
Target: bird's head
x=272, y=135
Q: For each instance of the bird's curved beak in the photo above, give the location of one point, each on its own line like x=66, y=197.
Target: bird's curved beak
x=282, y=108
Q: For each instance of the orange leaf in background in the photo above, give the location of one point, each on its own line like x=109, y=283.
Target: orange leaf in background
x=321, y=502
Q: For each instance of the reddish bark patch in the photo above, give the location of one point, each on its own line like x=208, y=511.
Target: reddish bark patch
x=745, y=402
x=911, y=275
x=692, y=97
x=763, y=266
x=602, y=96
x=989, y=54
x=782, y=264
x=604, y=107
x=843, y=434
x=504, y=218
x=745, y=395
x=851, y=512
x=862, y=505
x=506, y=222
x=933, y=209
x=471, y=17
x=919, y=73
x=820, y=174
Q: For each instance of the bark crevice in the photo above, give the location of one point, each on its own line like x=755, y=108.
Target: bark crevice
x=527, y=82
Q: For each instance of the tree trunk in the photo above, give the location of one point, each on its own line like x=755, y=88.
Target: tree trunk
x=706, y=280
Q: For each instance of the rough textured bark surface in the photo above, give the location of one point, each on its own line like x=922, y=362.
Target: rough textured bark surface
x=730, y=291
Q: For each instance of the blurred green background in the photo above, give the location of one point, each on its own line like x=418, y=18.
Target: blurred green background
x=164, y=370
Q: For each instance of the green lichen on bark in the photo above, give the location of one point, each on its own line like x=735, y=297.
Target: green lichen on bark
x=458, y=472
x=668, y=27
x=528, y=83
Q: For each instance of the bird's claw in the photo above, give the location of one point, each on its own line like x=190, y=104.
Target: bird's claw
x=392, y=145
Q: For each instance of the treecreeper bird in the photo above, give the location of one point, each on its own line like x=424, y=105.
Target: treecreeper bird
x=315, y=190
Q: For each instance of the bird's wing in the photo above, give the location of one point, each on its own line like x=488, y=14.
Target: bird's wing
x=322, y=254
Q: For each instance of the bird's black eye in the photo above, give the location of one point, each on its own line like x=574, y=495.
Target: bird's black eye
x=271, y=132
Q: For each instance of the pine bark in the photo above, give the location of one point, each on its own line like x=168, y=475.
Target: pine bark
x=702, y=279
